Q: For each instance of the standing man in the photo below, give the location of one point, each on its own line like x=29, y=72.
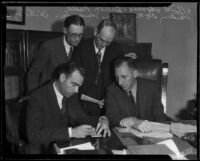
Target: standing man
x=56, y=51
x=131, y=101
x=96, y=54
x=54, y=111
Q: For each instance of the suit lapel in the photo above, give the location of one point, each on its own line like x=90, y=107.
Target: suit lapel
x=141, y=98
x=92, y=56
x=61, y=55
x=53, y=103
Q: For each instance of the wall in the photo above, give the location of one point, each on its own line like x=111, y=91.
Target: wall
x=171, y=30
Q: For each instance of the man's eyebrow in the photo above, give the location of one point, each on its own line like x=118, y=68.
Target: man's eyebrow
x=76, y=84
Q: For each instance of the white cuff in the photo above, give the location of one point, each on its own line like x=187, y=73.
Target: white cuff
x=70, y=132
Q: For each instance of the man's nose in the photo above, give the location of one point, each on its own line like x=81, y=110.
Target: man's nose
x=76, y=89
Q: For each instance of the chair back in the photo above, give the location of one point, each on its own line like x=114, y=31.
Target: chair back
x=155, y=70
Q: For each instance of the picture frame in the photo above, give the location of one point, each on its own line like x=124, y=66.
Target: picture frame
x=15, y=15
x=126, y=26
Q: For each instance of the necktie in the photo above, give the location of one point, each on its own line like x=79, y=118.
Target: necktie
x=99, y=56
x=70, y=52
x=133, y=102
x=63, y=109
x=99, y=63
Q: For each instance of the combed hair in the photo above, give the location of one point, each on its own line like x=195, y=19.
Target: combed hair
x=106, y=22
x=74, y=19
x=67, y=69
x=125, y=59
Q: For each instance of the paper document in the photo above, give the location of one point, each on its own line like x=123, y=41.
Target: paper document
x=84, y=146
x=89, y=99
x=159, y=130
x=180, y=129
x=119, y=152
x=171, y=145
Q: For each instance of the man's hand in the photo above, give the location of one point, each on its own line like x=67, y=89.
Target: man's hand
x=131, y=55
x=141, y=125
x=103, y=125
x=81, y=131
x=101, y=103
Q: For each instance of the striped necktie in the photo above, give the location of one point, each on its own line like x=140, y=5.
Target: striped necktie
x=63, y=109
x=99, y=64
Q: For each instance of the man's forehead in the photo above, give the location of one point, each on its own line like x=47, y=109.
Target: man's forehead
x=76, y=28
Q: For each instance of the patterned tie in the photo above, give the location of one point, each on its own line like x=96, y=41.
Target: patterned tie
x=99, y=56
x=99, y=63
x=70, y=52
x=63, y=109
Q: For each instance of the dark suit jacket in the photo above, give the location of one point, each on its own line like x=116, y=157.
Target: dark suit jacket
x=85, y=55
x=50, y=54
x=46, y=124
x=118, y=105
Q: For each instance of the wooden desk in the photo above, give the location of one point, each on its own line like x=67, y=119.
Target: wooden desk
x=119, y=141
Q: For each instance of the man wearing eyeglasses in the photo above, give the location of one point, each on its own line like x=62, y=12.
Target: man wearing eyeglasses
x=56, y=51
x=96, y=55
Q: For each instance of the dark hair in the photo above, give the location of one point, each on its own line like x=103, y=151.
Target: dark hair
x=74, y=19
x=67, y=69
x=125, y=59
x=106, y=22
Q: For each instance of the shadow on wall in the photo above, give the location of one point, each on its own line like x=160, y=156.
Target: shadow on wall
x=57, y=26
x=189, y=112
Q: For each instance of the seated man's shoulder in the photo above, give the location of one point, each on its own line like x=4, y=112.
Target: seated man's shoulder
x=113, y=87
x=41, y=91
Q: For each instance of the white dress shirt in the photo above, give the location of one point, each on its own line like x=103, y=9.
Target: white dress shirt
x=67, y=46
x=59, y=97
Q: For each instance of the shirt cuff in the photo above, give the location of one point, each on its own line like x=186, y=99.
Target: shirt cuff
x=70, y=132
x=102, y=117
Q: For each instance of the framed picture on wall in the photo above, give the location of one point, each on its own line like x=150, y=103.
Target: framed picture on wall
x=126, y=26
x=15, y=15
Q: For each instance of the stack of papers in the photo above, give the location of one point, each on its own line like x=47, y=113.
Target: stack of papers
x=158, y=131
x=84, y=146
x=180, y=129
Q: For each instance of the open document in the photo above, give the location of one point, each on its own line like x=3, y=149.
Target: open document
x=159, y=130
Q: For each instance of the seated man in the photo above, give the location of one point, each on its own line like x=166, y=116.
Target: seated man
x=132, y=101
x=54, y=112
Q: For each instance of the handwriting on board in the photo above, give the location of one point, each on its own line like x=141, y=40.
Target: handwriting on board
x=173, y=12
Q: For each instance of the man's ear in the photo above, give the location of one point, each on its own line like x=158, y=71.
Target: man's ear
x=64, y=30
x=135, y=73
x=62, y=77
x=95, y=32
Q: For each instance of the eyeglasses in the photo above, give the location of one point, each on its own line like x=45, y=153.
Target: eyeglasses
x=75, y=35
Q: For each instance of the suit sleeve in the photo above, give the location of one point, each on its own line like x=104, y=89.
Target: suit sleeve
x=158, y=108
x=36, y=132
x=78, y=116
x=112, y=108
x=37, y=67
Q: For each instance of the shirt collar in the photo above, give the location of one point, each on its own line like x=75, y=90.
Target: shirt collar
x=66, y=43
x=96, y=49
x=59, y=96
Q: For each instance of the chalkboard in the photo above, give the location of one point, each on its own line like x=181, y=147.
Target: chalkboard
x=51, y=18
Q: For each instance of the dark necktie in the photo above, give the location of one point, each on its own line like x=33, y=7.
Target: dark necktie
x=99, y=64
x=63, y=109
x=70, y=52
x=133, y=102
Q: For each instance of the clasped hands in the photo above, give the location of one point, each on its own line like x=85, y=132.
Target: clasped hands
x=133, y=122
x=84, y=130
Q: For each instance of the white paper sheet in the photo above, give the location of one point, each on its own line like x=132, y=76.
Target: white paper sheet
x=84, y=146
x=171, y=145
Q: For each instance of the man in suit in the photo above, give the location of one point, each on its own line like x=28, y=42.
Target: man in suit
x=132, y=101
x=55, y=114
x=56, y=51
x=96, y=54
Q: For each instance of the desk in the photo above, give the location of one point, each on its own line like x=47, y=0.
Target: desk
x=119, y=141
